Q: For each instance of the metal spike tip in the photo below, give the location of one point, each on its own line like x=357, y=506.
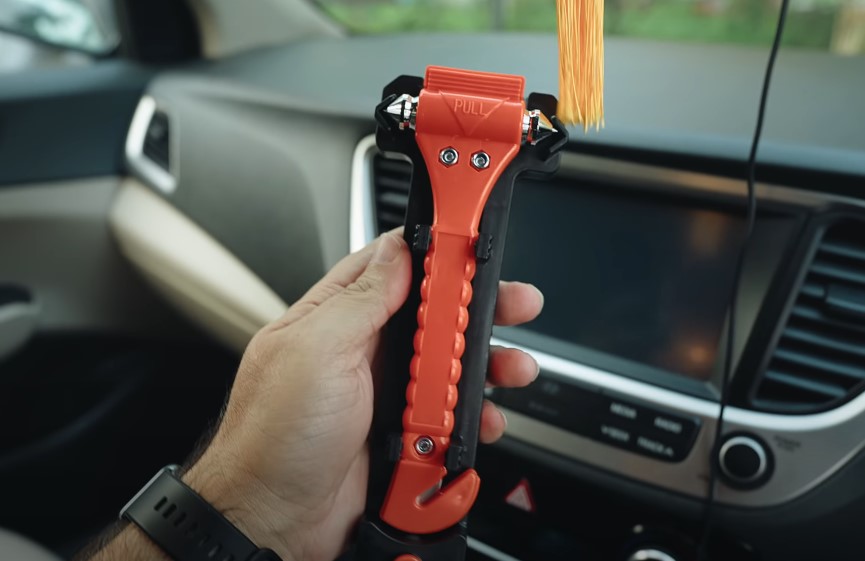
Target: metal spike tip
x=546, y=125
x=536, y=126
x=404, y=111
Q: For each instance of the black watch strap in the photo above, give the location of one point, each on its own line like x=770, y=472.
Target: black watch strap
x=186, y=526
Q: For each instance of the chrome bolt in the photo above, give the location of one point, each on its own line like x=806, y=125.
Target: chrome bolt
x=424, y=445
x=449, y=156
x=480, y=160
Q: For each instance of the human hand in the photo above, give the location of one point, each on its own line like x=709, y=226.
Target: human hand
x=288, y=464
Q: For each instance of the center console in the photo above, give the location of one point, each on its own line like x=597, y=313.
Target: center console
x=636, y=264
x=637, y=277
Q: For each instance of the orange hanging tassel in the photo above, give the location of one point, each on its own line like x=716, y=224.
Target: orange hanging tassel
x=581, y=62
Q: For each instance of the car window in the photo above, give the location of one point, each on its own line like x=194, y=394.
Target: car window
x=836, y=26
x=19, y=53
x=85, y=26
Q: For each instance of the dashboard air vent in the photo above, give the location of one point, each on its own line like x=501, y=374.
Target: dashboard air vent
x=156, y=146
x=819, y=360
x=391, y=181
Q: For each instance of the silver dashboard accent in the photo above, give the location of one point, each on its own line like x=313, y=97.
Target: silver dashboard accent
x=18, y=322
x=361, y=227
x=651, y=555
x=489, y=551
x=753, y=445
x=141, y=164
x=807, y=448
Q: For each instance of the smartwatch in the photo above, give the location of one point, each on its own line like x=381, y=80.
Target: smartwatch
x=186, y=526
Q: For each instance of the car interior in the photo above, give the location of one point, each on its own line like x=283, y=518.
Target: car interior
x=174, y=174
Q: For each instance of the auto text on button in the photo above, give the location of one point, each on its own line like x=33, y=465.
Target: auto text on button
x=668, y=425
x=655, y=447
x=616, y=434
x=623, y=410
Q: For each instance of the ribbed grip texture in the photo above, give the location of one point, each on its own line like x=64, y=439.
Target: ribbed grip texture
x=487, y=84
x=431, y=347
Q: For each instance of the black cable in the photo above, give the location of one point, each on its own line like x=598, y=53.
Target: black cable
x=751, y=215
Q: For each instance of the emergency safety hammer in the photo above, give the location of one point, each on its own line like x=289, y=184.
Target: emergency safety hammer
x=468, y=135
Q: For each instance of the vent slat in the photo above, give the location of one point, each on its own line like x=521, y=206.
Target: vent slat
x=390, y=220
x=400, y=168
x=786, y=406
x=813, y=290
x=810, y=361
x=819, y=360
x=836, y=344
x=389, y=198
x=837, y=272
x=393, y=183
x=843, y=249
x=828, y=390
x=815, y=314
x=391, y=179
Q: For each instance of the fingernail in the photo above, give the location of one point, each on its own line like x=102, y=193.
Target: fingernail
x=540, y=295
x=537, y=368
x=387, y=249
x=504, y=419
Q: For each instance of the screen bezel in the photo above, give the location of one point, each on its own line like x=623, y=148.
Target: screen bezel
x=745, y=330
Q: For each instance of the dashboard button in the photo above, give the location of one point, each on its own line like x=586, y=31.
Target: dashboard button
x=558, y=414
x=609, y=419
x=613, y=434
x=621, y=409
x=654, y=447
x=745, y=461
x=676, y=428
x=668, y=424
x=553, y=401
x=669, y=427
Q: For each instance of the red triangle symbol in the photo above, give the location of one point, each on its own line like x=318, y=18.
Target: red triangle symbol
x=521, y=497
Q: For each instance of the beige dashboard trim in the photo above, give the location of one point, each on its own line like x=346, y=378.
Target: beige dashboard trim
x=190, y=268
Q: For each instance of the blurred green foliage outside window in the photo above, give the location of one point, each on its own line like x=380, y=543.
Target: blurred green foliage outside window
x=837, y=26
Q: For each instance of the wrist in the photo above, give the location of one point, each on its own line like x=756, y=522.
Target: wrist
x=244, y=501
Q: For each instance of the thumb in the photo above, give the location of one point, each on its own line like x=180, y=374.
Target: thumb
x=364, y=306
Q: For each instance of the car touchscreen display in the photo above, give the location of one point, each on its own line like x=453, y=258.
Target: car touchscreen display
x=642, y=278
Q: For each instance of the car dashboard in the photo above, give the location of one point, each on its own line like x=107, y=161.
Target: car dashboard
x=262, y=172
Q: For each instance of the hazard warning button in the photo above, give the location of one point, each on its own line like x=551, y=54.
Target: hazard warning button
x=521, y=497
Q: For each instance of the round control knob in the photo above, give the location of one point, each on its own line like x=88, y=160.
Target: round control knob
x=651, y=555
x=745, y=461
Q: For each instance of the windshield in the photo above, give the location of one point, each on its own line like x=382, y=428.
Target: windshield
x=836, y=26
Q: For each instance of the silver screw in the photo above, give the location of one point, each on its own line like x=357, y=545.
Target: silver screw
x=449, y=156
x=424, y=445
x=480, y=160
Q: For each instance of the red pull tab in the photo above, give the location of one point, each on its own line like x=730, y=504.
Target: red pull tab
x=468, y=128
